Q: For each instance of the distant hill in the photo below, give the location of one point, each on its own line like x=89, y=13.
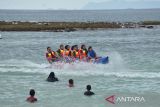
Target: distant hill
x=121, y=4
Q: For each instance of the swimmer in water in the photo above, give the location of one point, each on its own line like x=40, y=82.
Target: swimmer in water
x=31, y=99
x=88, y=92
x=52, y=78
x=71, y=83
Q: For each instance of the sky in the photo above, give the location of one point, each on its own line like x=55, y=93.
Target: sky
x=66, y=4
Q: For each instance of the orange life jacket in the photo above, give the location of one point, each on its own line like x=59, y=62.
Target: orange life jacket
x=67, y=52
x=76, y=54
x=83, y=53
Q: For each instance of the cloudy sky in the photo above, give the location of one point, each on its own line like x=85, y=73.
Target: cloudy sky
x=72, y=4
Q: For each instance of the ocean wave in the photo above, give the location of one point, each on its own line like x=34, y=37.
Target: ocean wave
x=75, y=69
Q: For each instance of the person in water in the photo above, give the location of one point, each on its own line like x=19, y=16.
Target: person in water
x=71, y=83
x=31, y=98
x=83, y=52
x=83, y=47
x=88, y=92
x=52, y=78
x=67, y=51
x=76, y=54
x=91, y=53
x=61, y=51
x=51, y=55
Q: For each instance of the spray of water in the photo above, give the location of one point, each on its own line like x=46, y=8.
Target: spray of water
x=115, y=67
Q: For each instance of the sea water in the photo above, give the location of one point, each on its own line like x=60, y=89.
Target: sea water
x=123, y=15
x=133, y=69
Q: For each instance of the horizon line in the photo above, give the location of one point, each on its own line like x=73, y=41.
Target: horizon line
x=83, y=9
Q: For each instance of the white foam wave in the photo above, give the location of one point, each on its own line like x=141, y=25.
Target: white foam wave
x=78, y=69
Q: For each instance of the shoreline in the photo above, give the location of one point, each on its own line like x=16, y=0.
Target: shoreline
x=72, y=26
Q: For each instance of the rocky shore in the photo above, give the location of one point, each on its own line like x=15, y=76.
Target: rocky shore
x=71, y=26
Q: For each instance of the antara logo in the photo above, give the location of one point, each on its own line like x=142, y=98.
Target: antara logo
x=112, y=99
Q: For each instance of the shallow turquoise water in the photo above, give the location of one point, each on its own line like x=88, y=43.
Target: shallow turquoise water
x=133, y=68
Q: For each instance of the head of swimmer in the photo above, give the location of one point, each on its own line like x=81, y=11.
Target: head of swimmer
x=32, y=92
x=51, y=75
x=88, y=87
x=71, y=82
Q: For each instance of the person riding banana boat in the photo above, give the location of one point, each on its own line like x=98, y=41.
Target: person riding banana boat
x=69, y=55
x=51, y=55
x=67, y=51
x=83, y=53
x=91, y=54
x=61, y=51
x=76, y=54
